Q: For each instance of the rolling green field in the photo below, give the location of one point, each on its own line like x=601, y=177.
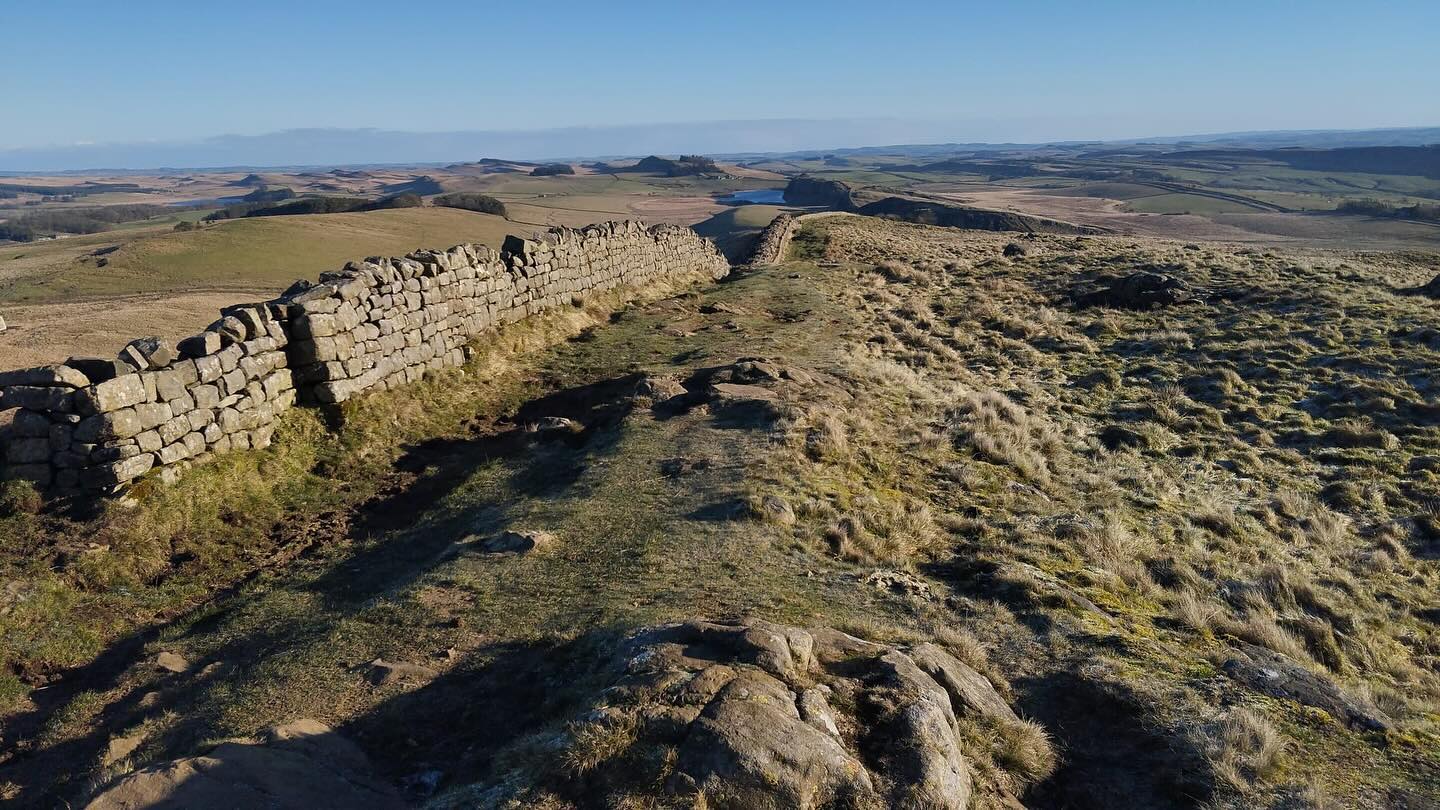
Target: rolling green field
x=243, y=254
x=1184, y=204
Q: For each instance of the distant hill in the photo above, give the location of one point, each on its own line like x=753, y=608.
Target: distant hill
x=956, y=216
x=420, y=185
x=1421, y=161
x=806, y=190
x=684, y=166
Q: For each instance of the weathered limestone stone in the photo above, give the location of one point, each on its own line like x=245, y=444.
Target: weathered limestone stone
x=249, y=317
x=98, y=369
x=230, y=329
x=119, y=472
x=121, y=392
x=148, y=353
x=39, y=474
x=27, y=451
x=201, y=345
x=209, y=368
x=119, y=424
x=168, y=385
x=300, y=766
x=30, y=423
x=45, y=377
x=37, y=399
x=153, y=414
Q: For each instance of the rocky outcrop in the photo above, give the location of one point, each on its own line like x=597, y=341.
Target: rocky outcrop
x=97, y=424
x=1430, y=289
x=926, y=212
x=1276, y=675
x=815, y=191
x=764, y=716
x=1140, y=290
x=299, y=766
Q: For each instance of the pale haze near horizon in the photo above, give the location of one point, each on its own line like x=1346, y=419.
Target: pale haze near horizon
x=90, y=73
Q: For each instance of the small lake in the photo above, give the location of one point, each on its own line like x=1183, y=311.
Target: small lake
x=762, y=196
x=217, y=201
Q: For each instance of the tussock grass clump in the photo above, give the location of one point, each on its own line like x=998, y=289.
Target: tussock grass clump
x=1246, y=747
x=1024, y=748
x=902, y=273
x=19, y=498
x=1002, y=432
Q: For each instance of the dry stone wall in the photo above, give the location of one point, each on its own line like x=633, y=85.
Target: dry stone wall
x=94, y=424
x=384, y=322
x=771, y=244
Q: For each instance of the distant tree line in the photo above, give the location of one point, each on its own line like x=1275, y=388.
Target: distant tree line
x=80, y=190
x=1379, y=208
x=29, y=227
x=483, y=203
x=550, y=169
x=315, y=205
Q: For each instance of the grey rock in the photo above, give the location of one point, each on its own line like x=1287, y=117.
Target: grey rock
x=970, y=692
x=1274, y=674
x=750, y=749
x=36, y=398
x=522, y=541
x=201, y=345
x=171, y=662
x=98, y=369
x=384, y=673
x=148, y=353
x=58, y=376
x=121, y=392
x=303, y=765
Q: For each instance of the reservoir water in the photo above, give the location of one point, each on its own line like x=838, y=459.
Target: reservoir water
x=765, y=196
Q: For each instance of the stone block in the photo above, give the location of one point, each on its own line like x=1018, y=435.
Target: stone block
x=208, y=368
x=60, y=437
x=30, y=424
x=201, y=345
x=148, y=353
x=168, y=385
x=28, y=451
x=37, y=399
x=231, y=331
x=41, y=475
x=121, y=392
x=149, y=441
x=110, y=426
x=153, y=414
x=119, y=472
x=45, y=377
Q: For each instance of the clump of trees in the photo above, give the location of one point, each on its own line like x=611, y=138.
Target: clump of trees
x=1379, y=208
x=550, y=169
x=316, y=205
x=32, y=226
x=482, y=203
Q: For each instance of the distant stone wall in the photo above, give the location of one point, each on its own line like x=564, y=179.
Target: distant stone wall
x=772, y=243
x=382, y=323
x=95, y=425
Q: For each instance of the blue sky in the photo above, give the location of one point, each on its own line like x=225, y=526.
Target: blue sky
x=107, y=72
